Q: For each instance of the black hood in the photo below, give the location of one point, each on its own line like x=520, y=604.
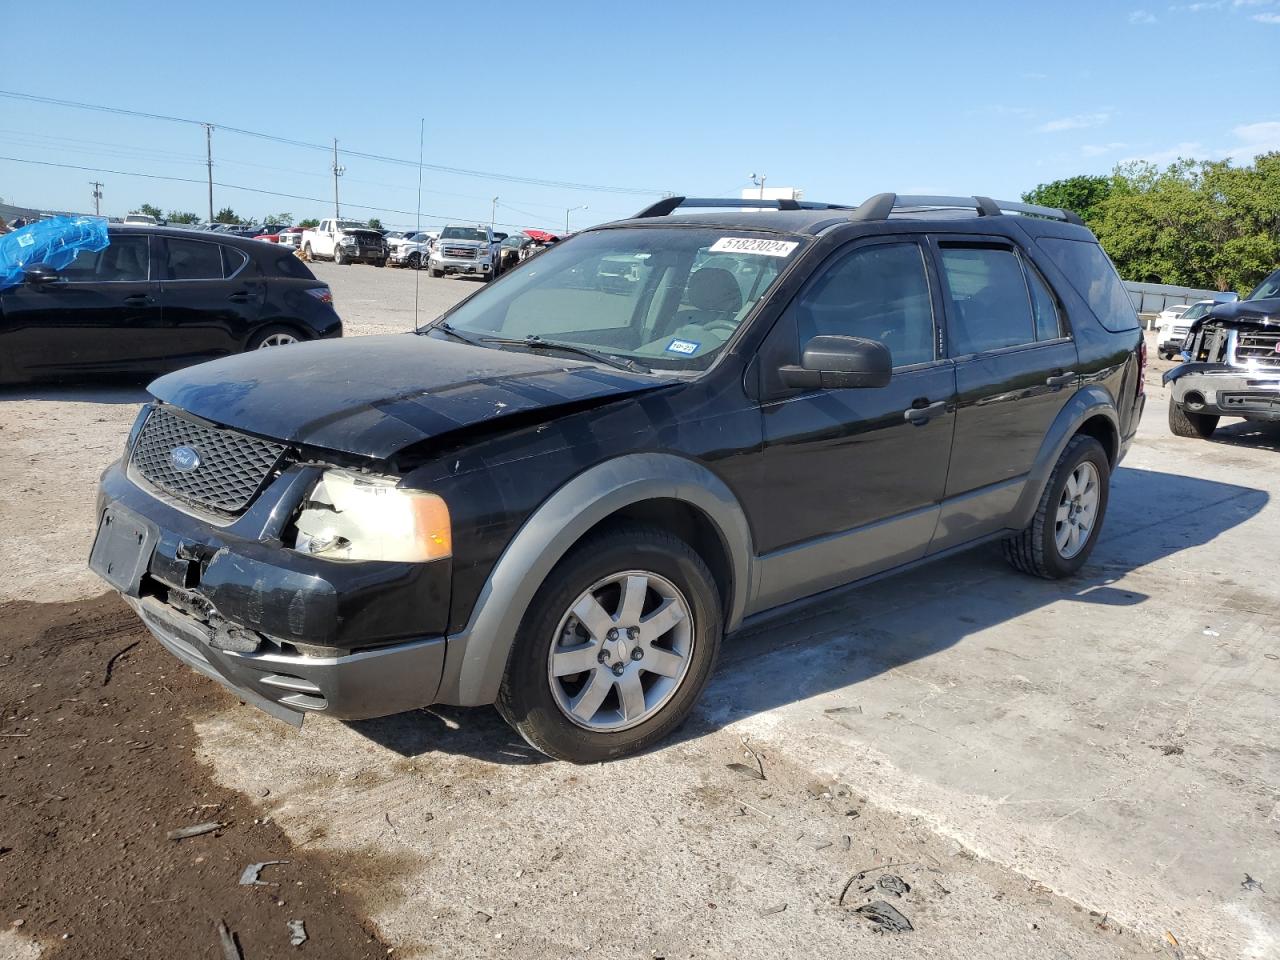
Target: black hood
x=1246, y=311
x=375, y=396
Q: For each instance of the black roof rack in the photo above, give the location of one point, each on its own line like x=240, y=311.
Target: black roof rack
x=880, y=207
x=883, y=205
x=668, y=205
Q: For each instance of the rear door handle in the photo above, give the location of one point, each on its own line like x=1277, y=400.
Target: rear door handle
x=1061, y=379
x=139, y=300
x=922, y=411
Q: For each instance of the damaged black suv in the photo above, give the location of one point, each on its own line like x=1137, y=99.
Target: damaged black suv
x=560, y=496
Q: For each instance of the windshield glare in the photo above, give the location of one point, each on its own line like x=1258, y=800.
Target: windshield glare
x=668, y=297
x=463, y=233
x=1268, y=288
x=1195, y=311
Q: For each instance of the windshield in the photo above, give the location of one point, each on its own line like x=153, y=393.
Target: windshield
x=1268, y=288
x=669, y=297
x=1196, y=311
x=463, y=233
x=351, y=225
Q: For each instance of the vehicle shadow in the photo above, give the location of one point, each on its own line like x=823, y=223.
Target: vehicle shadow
x=123, y=390
x=1247, y=433
x=856, y=633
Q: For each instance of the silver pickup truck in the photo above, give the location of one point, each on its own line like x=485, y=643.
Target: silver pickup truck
x=465, y=250
x=1231, y=365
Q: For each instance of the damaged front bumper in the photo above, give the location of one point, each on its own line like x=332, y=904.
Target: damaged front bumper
x=289, y=633
x=1216, y=389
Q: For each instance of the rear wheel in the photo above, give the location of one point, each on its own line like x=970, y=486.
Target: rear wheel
x=1069, y=516
x=616, y=647
x=1185, y=424
x=306, y=252
x=273, y=336
x=380, y=263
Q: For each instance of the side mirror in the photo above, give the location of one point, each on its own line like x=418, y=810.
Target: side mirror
x=836, y=363
x=41, y=274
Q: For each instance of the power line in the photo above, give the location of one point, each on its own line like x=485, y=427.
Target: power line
x=236, y=186
x=381, y=158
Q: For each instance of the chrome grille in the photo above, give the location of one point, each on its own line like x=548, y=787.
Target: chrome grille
x=1258, y=348
x=231, y=469
x=460, y=253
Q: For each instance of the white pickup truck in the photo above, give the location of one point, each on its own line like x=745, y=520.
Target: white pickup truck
x=344, y=241
x=467, y=250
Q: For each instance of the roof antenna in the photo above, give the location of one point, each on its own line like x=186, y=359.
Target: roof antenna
x=417, y=276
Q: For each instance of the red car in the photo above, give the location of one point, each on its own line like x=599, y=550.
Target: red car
x=270, y=233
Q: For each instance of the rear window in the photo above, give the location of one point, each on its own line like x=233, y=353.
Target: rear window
x=1093, y=276
x=290, y=266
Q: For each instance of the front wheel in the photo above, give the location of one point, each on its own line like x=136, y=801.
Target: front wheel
x=1185, y=424
x=616, y=647
x=414, y=261
x=380, y=263
x=338, y=258
x=437, y=273
x=306, y=252
x=1068, y=519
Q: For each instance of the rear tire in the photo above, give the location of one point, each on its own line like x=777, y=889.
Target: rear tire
x=664, y=663
x=276, y=335
x=379, y=263
x=1184, y=424
x=1047, y=547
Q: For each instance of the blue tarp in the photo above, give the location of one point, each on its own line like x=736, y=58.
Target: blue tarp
x=55, y=241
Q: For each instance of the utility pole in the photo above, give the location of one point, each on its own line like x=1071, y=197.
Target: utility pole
x=338, y=171
x=493, y=214
x=569, y=211
x=97, y=197
x=208, y=148
x=758, y=180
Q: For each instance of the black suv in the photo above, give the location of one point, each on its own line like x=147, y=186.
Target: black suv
x=156, y=299
x=562, y=494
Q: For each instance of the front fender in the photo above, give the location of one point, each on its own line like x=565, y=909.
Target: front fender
x=477, y=656
x=1089, y=402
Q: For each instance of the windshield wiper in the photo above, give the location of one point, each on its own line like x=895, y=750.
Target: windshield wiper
x=449, y=328
x=535, y=342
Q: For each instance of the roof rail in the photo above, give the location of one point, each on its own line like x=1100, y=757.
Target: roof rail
x=668, y=205
x=882, y=206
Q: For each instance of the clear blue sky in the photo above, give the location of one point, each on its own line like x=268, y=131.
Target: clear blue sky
x=842, y=99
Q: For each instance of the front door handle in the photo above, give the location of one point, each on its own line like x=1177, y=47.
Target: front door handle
x=1061, y=379
x=241, y=296
x=922, y=411
x=139, y=300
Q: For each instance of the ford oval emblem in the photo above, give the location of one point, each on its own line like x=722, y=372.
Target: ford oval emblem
x=184, y=459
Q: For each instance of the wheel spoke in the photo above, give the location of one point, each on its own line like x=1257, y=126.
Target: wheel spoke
x=586, y=703
x=634, y=590
x=593, y=617
x=571, y=660
x=1063, y=536
x=659, y=623
x=662, y=662
x=1064, y=511
x=631, y=694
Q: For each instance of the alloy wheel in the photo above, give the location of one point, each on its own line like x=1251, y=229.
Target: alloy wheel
x=277, y=340
x=621, y=651
x=1077, y=510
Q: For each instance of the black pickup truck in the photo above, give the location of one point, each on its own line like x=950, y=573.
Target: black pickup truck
x=560, y=496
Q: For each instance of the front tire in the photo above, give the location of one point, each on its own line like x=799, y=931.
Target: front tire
x=615, y=648
x=1069, y=517
x=437, y=274
x=1184, y=424
x=414, y=261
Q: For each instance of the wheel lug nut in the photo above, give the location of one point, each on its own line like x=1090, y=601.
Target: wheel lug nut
x=612, y=635
x=633, y=633
x=603, y=656
x=637, y=653
x=617, y=669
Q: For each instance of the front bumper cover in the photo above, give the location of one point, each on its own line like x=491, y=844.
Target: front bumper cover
x=1216, y=389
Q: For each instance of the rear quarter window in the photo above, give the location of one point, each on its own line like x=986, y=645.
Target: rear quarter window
x=1093, y=276
x=290, y=266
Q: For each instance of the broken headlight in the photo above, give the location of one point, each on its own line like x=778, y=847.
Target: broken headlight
x=350, y=516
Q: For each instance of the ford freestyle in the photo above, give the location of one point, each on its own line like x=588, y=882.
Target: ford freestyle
x=562, y=495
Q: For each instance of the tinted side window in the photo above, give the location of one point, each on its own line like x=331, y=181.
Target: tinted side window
x=290, y=266
x=880, y=293
x=1044, y=305
x=193, y=260
x=991, y=308
x=232, y=260
x=1092, y=275
x=125, y=258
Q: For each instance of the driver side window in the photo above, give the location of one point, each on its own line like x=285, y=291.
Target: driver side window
x=878, y=292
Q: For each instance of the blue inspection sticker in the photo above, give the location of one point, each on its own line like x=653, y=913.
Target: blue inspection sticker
x=687, y=347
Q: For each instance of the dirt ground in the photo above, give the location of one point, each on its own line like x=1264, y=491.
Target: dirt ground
x=98, y=750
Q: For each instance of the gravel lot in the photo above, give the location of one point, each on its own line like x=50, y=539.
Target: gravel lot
x=1028, y=752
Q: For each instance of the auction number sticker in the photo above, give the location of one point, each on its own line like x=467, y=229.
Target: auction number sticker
x=768, y=248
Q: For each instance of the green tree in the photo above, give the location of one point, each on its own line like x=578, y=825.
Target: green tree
x=1080, y=194
x=150, y=210
x=308, y=223
x=278, y=219
x=227, y=215
x=177, y=217
x=375, y=223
